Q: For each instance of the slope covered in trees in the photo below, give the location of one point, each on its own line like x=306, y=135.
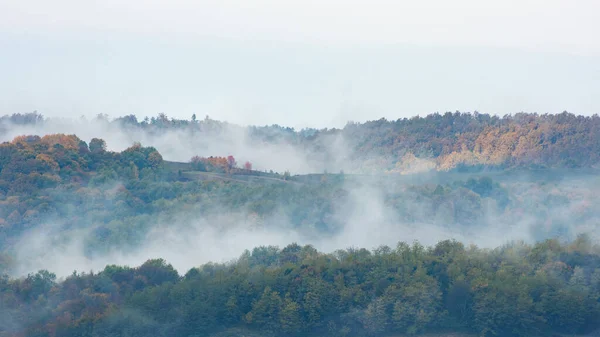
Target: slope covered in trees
x=488, y=180
x=60, y=177
x=437, y=141
x=514, y=290
x=117, y=198
x=459, y=139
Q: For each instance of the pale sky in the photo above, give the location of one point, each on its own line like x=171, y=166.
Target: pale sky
x=298, y=63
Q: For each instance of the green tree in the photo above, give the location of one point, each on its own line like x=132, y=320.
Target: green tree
x=265, y=311
x=97, y=145
x=289, y=317
x=375, y=317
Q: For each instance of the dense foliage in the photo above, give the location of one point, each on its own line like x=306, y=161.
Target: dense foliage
x=530, y=173
x=514, y=290
x=60, y=177
x=119, y=197
x=436, y=141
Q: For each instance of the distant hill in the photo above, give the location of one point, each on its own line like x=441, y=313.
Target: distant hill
x=434, y=142
x=120, y=196
x=55, y=188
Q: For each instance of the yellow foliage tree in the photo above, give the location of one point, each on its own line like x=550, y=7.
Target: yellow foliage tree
x=49, y=161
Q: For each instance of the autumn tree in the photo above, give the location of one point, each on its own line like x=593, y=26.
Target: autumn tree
x=70, y=142
x=155, y=159
x=231, y=163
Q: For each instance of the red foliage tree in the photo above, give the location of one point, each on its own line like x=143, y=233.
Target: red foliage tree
x=231, y=162
x=248, y=166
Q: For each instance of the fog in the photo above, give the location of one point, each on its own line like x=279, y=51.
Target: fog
x=366, y=218
x=193, y=239
x=182, y=145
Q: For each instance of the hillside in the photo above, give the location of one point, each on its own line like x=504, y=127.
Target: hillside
x=297, y=168
x=63, y=181
x=514, y=290
x=59, y=179
x=70, y=205
x=435, y=142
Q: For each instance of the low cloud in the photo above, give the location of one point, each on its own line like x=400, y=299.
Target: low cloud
x=191, y=239
x=365, y=217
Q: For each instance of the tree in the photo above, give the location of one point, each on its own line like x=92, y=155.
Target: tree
x=417, y=305
x=134, y=173
x=289, y=317
x=38, y=284
x=232, y=312
x=155, y=159
x=312, y=309
x=265, y=311
x=97, y=145
x=157, y=271
x=248, y=166
x=70, y=142
x=459, y=301
x=375, y=318
x=231, y=163
x=198, y=163
x=83, y=147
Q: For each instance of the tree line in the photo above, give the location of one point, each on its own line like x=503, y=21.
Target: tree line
x=447, y=141
x=514, y=290
x=122, y=195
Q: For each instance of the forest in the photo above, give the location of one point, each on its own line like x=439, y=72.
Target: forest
x=488, y=223
x=515, y=290
x=437, y=141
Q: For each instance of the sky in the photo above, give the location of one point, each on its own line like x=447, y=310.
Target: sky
x=298, y=63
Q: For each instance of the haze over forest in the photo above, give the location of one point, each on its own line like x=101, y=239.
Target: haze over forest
x=298, y=168
x=417, y=225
